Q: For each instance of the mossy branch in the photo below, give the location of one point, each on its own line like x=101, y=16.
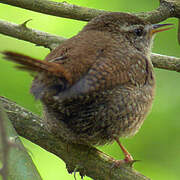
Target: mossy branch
x=87, y=160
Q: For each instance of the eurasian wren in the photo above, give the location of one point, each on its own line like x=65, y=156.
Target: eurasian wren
x=98, y=85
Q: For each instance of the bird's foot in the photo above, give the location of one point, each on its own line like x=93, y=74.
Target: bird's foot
x=124, y=162
x=128, y=160
x=121, y=163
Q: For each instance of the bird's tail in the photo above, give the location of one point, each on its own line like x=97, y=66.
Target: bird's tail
x=30, y=64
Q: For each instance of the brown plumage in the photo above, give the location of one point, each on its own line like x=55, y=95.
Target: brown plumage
x=98, y=85
x=30, y=64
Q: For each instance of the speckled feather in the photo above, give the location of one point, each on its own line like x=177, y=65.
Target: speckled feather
x=112, y=91
x=108, y=85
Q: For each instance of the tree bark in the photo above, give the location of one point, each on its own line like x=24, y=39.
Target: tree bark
x=87, y=160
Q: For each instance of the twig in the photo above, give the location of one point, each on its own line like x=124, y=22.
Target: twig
x=167, y=8
x=166, y=62
x=51, y=41
x=31, y=35
x=60, y=9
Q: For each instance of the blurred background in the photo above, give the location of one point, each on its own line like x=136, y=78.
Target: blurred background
x=157, y=144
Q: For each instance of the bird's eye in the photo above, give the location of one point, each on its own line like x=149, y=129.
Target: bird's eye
x=138, y=32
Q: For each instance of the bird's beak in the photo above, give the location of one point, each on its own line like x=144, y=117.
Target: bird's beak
x=156, y=28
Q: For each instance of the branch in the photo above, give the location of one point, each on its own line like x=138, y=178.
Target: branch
x=165, y=62
x=168, y=8
x=51, y=41
x=31, y=35
x=60, y=9
x=87, y=160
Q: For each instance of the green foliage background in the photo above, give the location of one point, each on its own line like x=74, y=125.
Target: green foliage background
x=157, y=144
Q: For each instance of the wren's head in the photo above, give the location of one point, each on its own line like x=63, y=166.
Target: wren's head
x=127, y=28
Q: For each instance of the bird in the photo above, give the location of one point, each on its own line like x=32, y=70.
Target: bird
x=99, y=85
